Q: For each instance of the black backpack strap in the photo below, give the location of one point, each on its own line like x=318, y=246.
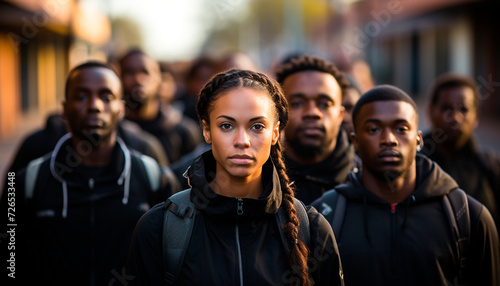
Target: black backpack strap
x=178, y=221
x=304, y=234
x=457, y=210
x=332, y=207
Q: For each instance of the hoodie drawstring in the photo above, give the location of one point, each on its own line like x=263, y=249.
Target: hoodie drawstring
x=126, y=171
x=65, y=199
x=365, y=224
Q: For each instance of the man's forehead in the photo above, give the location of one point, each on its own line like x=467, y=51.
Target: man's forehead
x=312, y=83
x=95, y=75
x=388, y=110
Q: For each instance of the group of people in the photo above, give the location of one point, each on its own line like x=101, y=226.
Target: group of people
x=296, y=178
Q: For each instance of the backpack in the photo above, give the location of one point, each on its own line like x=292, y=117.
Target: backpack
x=178, y=218
x=455, y=204
x=151, y=167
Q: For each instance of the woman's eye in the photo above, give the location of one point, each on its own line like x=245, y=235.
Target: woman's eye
x=258, y=127
x=225, y=126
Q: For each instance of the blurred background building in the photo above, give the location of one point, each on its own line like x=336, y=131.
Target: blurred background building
x=405, y=42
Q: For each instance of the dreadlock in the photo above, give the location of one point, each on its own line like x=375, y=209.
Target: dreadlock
x=223, y=82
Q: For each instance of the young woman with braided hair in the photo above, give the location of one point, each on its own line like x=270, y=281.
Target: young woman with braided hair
x=248, y=228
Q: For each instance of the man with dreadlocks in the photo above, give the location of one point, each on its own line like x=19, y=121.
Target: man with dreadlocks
x=317, y=151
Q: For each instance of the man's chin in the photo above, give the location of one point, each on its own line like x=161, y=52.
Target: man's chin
x=308, y=149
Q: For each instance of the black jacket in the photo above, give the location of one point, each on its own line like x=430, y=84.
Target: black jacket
x=178, y=134
x=476, y=172
x=411, y=243
x=311, y=181
x=213, y=258
x=77, y=226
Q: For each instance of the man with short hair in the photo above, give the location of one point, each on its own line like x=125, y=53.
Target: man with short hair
x=317, y=151
x=401, y=220
x=141, y=79
x=78, y=205
x=454, y=115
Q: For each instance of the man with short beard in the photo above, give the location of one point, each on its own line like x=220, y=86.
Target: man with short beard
x=403, y=220
x=141, y=78
x=317, y=151
x=77, y=206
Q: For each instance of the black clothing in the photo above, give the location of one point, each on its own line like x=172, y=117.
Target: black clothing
x=411, y=243
x=178, y=134
x=76, y=227
x=43, y=141
x=311, y=181
x=477, y=173
x=180, y=167
x=231, y=249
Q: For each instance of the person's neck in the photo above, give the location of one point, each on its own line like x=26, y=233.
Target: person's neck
x=147, y=112
x=450, y=150
x=293, y=154
x=391, y=190
x=99, y=155
x=230, y=186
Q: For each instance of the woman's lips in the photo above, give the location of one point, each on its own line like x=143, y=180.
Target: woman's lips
x=241, y=159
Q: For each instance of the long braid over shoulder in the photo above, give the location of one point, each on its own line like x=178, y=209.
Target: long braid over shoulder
x=223, y=82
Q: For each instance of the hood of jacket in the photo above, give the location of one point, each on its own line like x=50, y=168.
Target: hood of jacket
x=64, y=163
x=432, y=182
x=330, y=172
x=202, y=172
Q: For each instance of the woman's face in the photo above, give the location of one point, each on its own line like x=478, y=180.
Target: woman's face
x=242, y=130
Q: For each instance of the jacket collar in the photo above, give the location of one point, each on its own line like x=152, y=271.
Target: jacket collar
x=202, y=172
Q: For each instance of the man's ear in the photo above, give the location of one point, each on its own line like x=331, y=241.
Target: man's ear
x=420, y=140
x=206, y=131
x=276, y=133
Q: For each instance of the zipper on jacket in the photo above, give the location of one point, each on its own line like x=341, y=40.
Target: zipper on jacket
x=393, y=239
x=239, y=211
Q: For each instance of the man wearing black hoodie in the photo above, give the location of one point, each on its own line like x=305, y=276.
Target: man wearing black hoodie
x=317, y=151
x=396, y=228
x=75, y=209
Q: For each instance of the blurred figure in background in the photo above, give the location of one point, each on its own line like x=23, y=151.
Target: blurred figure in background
x=317, y=152
x=141, y=80
x=199, y=73
x=454, y=115
x=351, y=96
x=236, y=60
x=168, y=85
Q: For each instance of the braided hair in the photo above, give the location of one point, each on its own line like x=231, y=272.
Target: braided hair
x=302, y=63
x=223, y=82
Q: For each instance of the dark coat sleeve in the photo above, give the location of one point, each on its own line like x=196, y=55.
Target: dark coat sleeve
x=483, y=265
x=324, y=259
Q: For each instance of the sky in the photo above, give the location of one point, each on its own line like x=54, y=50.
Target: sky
x=172, y=29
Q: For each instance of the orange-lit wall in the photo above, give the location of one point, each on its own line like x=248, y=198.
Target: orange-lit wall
x=10, y=94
